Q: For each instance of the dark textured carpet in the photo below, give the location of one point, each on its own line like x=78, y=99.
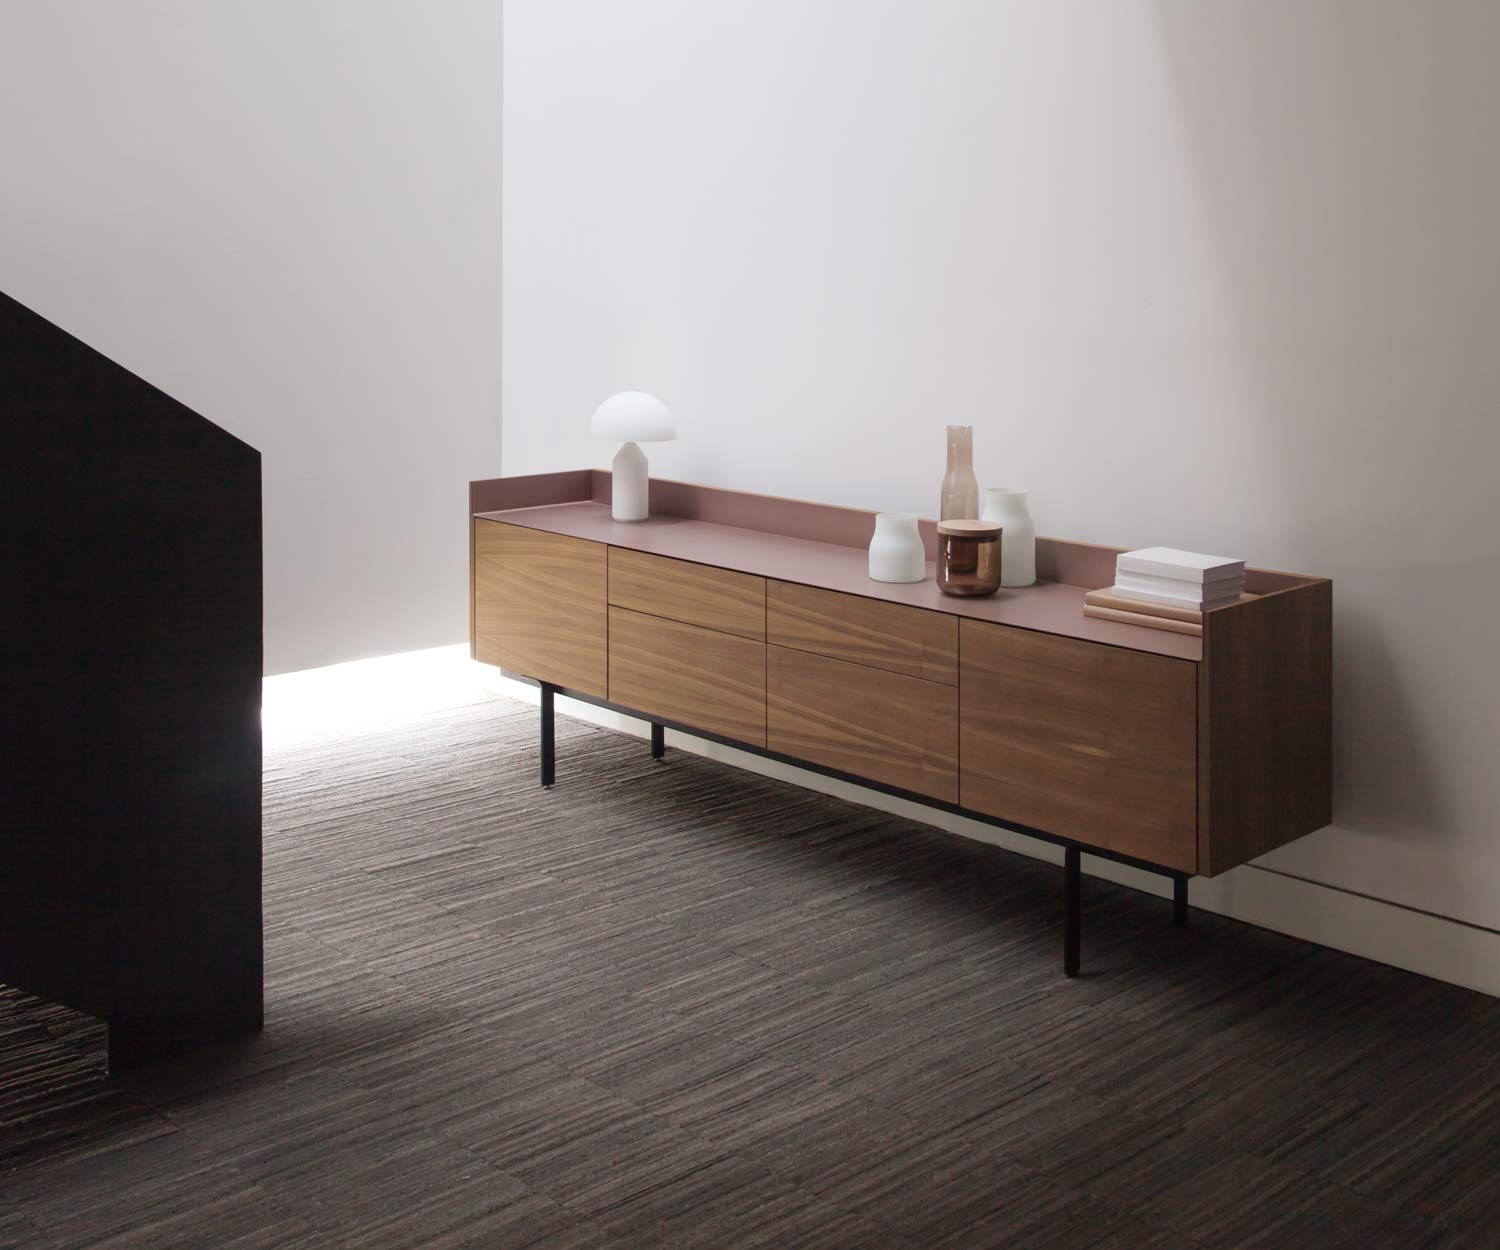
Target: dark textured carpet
x=676, y=1004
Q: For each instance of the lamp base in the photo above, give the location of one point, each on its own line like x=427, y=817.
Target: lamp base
x=630, y=488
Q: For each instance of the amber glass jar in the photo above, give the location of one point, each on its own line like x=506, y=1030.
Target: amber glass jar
x=968, y=557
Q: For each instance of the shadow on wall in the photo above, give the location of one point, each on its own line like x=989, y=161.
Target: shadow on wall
x=1349, y=182
x=1376, y=731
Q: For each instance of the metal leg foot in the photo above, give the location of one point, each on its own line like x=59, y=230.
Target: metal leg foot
x=1072, y=909
x=549, y=752
x=1179, y=902
x=658, y=740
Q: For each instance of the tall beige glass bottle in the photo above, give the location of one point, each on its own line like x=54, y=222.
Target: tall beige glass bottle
x=960, y=486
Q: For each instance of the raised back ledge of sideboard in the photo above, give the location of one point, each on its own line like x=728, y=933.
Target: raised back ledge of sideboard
x=1065, y=569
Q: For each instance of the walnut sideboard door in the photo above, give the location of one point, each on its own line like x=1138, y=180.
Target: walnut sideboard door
x=539, y=605
x=887, y=727
x=1085, y=741
x=865, y=687
x=698, y=677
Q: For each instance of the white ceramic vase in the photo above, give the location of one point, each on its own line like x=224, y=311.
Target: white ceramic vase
x=896, y=551
x=1010, y=510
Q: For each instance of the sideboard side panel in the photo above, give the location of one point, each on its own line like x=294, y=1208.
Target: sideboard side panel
x=539, y=605
x=1265, y=725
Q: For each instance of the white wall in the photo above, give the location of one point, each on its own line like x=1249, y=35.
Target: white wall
x=284, y=214
x=1222, y=276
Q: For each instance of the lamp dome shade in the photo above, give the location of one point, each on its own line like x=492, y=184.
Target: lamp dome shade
x=633, y=417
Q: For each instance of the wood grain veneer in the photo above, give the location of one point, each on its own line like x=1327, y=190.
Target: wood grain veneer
x=891, y=636
x=539, y=605
x=689, y=674
x=1088, y=742
x=898, y=730
x=1190, y=753
x=698, y=594
x=1265, y=725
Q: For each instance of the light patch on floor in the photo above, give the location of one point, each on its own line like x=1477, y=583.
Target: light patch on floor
x=376, y=693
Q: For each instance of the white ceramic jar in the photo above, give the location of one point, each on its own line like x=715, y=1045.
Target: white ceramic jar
x=1012, y=512
x=896, y=551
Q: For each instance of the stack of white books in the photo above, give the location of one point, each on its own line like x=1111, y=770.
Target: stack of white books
x=1178, y=579
x=1163, y=588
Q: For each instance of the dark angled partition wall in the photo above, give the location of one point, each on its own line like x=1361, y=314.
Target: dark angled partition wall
x=130, y=852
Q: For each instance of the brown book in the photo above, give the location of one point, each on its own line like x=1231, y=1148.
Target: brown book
x=1141, y=618
x=1106, y=598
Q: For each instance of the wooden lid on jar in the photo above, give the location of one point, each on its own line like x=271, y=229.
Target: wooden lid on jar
x=969, y=529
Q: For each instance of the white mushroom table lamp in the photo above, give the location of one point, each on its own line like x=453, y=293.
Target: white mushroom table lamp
x=632, y=417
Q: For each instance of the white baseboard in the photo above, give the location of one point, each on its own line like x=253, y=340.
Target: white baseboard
x=1434, y=946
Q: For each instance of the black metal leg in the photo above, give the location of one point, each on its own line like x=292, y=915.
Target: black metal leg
x=1072, y=909
x=1179, y=901
x=658, y=740
x=549, y=753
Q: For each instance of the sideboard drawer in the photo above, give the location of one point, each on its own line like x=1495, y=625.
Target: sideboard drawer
x=698, y=677
x=1081, y=740
x=891, y=636
x=884, y=726
x=698, y=594
x=539, y=606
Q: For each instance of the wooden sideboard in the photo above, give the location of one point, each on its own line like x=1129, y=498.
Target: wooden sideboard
x=751, y=621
